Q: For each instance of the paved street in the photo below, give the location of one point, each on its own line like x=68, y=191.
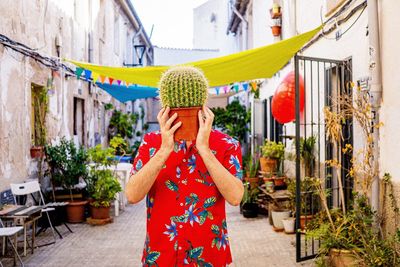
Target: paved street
x=254, y=243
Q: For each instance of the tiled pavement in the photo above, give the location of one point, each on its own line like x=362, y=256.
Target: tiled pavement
x=254, y=243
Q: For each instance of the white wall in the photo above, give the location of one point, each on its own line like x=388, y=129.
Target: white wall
x=173, y=56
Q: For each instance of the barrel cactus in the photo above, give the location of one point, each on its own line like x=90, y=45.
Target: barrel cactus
x=183, y=86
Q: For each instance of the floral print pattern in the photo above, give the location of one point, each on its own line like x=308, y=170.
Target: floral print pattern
x=185, y=211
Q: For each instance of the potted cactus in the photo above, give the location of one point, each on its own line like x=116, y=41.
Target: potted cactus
x=184, y=90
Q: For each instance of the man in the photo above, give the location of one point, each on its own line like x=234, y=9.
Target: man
x=186, y=184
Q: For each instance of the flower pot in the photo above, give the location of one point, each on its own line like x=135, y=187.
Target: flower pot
x=276, y=30
x=100, y=212
x=304, y=220
x=76, y=211
x=268, y=165
x=278, y=216
x=279, y=181
x=342, y=258
x=190, y=123
x=253, y=181
x=250, y=210
x=37, y=152
x=289, y=225
x=269, y=186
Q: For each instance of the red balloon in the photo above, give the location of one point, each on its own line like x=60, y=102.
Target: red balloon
x=284, y=100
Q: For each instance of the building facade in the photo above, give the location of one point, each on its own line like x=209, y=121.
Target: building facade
x=98, y=31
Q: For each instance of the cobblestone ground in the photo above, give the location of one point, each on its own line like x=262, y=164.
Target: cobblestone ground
x=254, y=243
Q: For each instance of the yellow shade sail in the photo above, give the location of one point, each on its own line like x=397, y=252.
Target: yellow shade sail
x=262, y=62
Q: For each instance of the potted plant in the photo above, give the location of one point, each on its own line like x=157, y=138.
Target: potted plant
x=279, y=212
x=102, y=183
x=271, y=153
x=251, y=169
x=120, y=146
x=275, y=11
x=184, y=89
x=249, y=201
x=276, y=27
x=307, y=154
x=67, y=165
x=40, y=106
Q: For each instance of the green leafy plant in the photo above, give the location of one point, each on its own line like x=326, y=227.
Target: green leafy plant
x=233, y=119
x=67, y=163
x=251, y=166
x=307, y=154
x=308, y=195
x=183, y=86
x=271, y=149
x=108, y=106
x=101, y=183
x=122, y=124
x=119, y=145
x=250, y=194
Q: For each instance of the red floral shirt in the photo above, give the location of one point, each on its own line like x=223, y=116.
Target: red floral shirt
x=186, y=223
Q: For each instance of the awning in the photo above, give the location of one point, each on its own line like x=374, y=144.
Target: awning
x=128, y=93
x=258, y=63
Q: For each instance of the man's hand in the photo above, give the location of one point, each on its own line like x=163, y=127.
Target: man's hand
x=205, y=126
x=167, y=132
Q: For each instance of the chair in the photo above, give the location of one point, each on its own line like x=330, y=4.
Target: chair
x=31, y=188
x=7, y=233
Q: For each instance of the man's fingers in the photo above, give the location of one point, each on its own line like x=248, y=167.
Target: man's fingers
x=164, y=116
x=175, y=127
x=170, y=121
x=160, y=114
x=201, y=119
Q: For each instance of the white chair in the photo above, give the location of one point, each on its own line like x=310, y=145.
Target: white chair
x=125, y=170
x=6, y=233
x=32, y=188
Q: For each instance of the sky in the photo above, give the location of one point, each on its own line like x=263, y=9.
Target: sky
x=172, y=20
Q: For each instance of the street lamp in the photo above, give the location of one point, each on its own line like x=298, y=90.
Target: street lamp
x=139, y=51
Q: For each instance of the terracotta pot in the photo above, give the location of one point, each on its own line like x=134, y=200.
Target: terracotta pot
x=37, y=152
x=268, y=165
x=303, y=219
x=100, y=212
x=342, y=258
x=253, y=181
x=279, y=181
x=276, y=30
x=190, y=123
x=76, y=211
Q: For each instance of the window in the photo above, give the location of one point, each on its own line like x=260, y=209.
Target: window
x=275, y=129
x=79, y=112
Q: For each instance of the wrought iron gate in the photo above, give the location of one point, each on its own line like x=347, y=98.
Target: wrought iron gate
x=325, y=81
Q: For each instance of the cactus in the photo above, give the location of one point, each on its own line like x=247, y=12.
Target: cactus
x=183, y=86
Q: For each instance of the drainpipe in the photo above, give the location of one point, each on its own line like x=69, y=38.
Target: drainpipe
x=375, y=91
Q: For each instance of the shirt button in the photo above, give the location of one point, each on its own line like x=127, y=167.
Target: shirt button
x=184, y=160
x=181, y=204
x=180, y=248
x=181, y=226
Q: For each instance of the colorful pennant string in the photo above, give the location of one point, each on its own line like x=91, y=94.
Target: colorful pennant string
x=78, y=72
x=88, y=74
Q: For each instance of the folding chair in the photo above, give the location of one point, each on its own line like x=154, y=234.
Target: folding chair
x=31, y=188
x=7, y=233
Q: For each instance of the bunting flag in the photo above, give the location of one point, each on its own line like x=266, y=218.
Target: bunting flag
x=236, y=88
x=226, y=89
x=102, y=78
x=119, y=82
x=95, y=76
x=88, y=74
x=245, y=86
x=217, y=90
x=257, y=63
x=110, y=80
x=253, y=86
x=78, y=72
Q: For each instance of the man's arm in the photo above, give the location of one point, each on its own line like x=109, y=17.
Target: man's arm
x=228, y=185
x=140, y=183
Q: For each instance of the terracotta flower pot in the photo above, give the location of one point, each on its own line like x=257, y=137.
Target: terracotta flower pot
x=268, y=165
x=253, y=181
x=279, y=181
x=276, y=30
x=100, y=212
x=342, y=258
x=76, y=211
x=190, y=123
x=37, y=152
x=304, y=220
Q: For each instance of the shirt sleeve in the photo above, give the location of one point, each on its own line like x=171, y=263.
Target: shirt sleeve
x=233, y=160
x=142, y=156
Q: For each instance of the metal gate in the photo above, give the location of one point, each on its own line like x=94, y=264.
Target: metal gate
x=325, y=81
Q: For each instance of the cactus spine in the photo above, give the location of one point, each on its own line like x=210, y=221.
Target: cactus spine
x=183, y=86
